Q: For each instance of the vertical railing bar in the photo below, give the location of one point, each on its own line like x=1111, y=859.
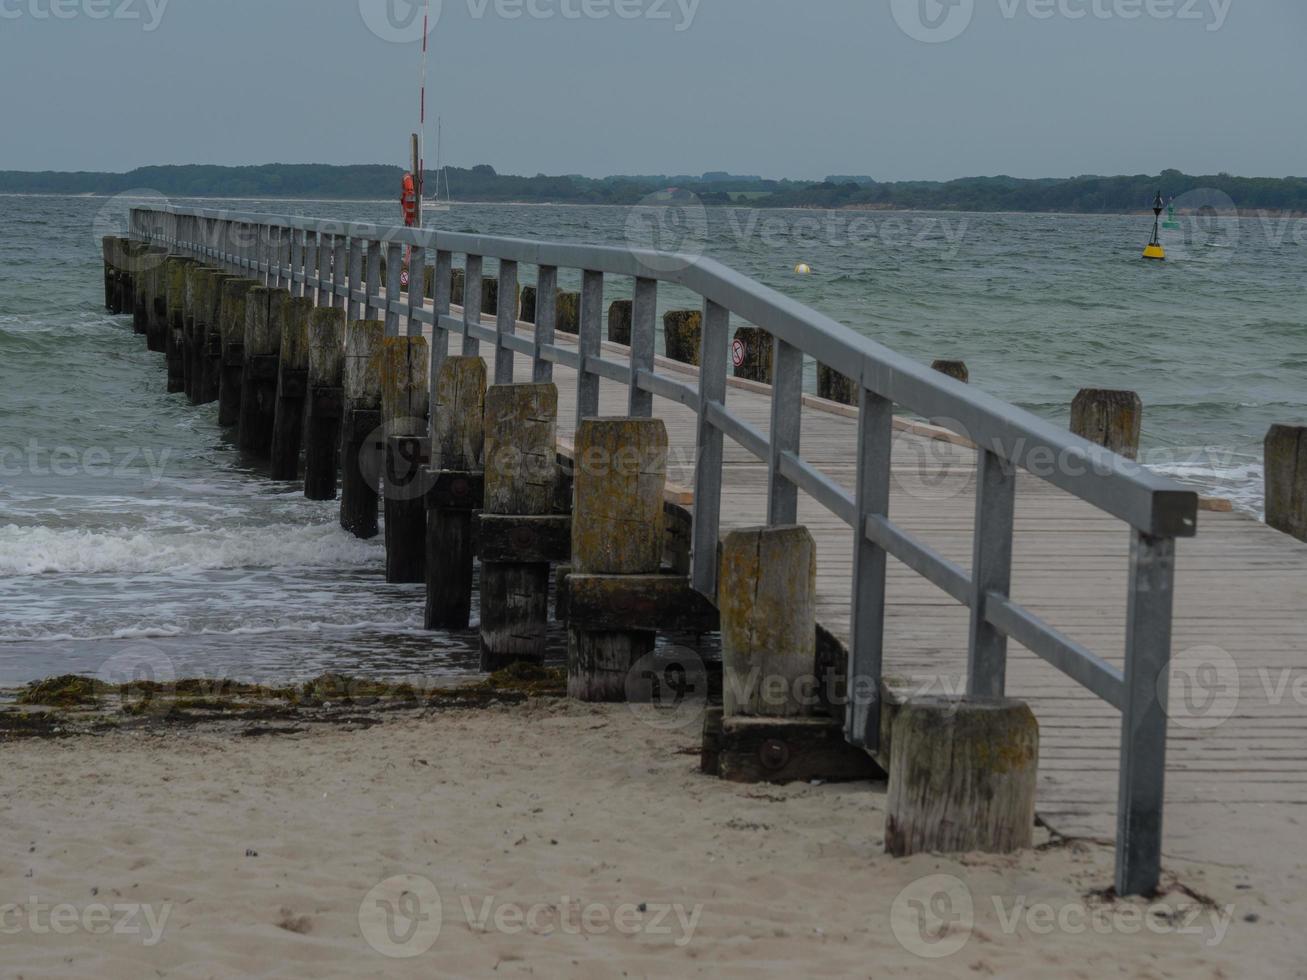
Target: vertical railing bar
x=991, y=571
x=588, y=342
x=867, y=628
x=311, y=249
x=786, y=425
x=339, y=270
x=394, y=284
x=296, y=261
x=417, y=263
x=542, y=371
x=373, y=287
x=355, y=279
x=441, y=289
x=1143, y=721
x=708, y=444
x=505, y=322
x=644, y=309
x=326, y=249
x=471, y=304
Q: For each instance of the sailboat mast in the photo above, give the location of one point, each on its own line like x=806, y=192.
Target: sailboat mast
x=421, y=163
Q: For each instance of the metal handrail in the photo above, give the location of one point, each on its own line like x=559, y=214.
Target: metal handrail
x=308, y=254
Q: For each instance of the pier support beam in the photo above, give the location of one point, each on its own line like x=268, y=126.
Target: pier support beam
x=567, y=313
x=752, y=351
x=521, y=478
x=835, y=387
x=404, y=400
x=1109, y=418
x=292, y=389
x=174, y=335
x=621, y=314
x=265, y=317
x=1286, y=479
x=362, y=442
x=326, y=403
x=683, y=335
x=231, y=336
x=455, y=481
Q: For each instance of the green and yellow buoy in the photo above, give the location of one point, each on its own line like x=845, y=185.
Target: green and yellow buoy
x=1154, y=249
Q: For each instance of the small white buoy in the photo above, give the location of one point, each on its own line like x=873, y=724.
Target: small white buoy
x=803, y=269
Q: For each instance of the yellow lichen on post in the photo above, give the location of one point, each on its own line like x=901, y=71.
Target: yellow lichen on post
x=620, y=471
x=405, y=393
x=459, y=423
x=363, y=353
x=521, y=455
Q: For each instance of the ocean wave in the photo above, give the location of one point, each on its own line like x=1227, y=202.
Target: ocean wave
x=43, y=550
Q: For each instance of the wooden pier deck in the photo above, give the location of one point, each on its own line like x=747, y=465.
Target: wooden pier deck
x=1241, y=588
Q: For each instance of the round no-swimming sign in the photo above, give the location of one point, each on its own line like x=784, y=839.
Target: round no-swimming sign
x=738, y=352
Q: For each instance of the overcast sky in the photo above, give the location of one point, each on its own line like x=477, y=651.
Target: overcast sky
x=897, y=89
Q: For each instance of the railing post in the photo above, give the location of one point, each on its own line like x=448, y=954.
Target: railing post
x=588, y=342
x=355, y=279
x=644, y=309
x=867, y=629
x=442, y=285
x=1143, y=721
x=471, y=305
x=326, y=249
x=786, y=423
x=339, y=271
x=310, y=264
x=708, y=446
x=296, y=261
x=505, y=321
x=991, y=572
x=372, y=288
x=394, y=285
x=417, y=274
x=546, y=319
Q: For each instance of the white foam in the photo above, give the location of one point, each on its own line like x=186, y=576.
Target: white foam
x=41, y=550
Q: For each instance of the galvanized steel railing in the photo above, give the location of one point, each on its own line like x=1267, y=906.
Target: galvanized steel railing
x=325, y=258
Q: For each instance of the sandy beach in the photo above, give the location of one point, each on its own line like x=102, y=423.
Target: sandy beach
x=550, y=839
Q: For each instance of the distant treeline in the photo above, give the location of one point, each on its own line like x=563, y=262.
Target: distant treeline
x=1087, y=194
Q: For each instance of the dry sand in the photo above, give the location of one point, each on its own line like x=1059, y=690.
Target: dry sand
x=256, y=854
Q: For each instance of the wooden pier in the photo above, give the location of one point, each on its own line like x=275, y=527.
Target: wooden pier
x=1064, y=562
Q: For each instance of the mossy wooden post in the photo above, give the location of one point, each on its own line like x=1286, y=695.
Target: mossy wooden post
x=174, y=337
x=455, y=481
x=490, y=297
x=231, y=332
x=326, y=403
x=527, y=314
x=521, y=477
x=567, y=313
x=292, y=388
x=457, y=279
x=683, y=335
x=962, y=777
x=156, y=329
x=1286, y=479
x=619, y=474
x=363, y=442
x=620, y=315
x=836, y=387
x=405, y=394
x=752, y=351
x=265, y=316
x=108, y=247
x=1109, y=418
x=954, y=369
x=210, y=339
x=198, y=278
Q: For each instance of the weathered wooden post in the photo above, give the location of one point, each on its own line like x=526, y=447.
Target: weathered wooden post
x=231, y=323
x=619, y=474
x=209, y=338
x=292, y=389
x=1109, y=418
x=567, y=313
x=516, y=529
x=775, y=726
x=156, y=311
x=962, y=776
x=404, y=399
x=457, y=279
x=620, y=316
x=265, y=316
x=490, y=297
x=362, y=443
x=174, y=338
x=326, y=398
x=835, y=387
x=682, y=335
x=455, y=479
x=1286, y=479
x=527, y=314
x=108, y=247
x=198, y=278
x=752, y=351
x=954, y=369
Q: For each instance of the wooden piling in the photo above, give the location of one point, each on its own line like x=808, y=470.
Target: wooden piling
x=752, y=351
x=521, y=476
x=231, y=335
x=835, y=387
x=326, y=403
x=265, y=317
x=174, y=335
x=156, y=328
x=683, y=335
x=456, y=479
x=404, y=399
x=1109, y=418
x=962, y=777
x=619, y=474
x=620, y=317
x=567, y=313
x=108, y=247
x=198, y=278
x=457, y=279
x=362, y=442
x=527, y=314
x=1285, y=468
x=292, y=389
x=209, y=338
x=954, y=369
